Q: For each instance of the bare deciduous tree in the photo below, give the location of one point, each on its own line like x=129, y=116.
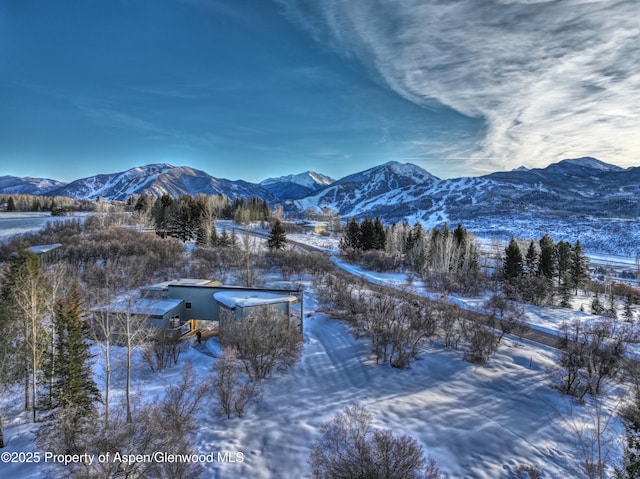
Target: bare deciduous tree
x=162, y=350
x=449, y=326
x=266, y=341
x=232, y=385
x=135, y=332
x=505, y=315
x=593, y=353
x=527, y=471
x=30, y=294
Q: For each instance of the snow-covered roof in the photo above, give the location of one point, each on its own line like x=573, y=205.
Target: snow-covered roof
x=144, y=306
x=182, y=282
x=243, y=299
x=43, y=248
x=192, y=282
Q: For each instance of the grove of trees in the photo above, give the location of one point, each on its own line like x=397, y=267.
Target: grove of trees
x=445, y=259
x=533, y=276
x=21, y=202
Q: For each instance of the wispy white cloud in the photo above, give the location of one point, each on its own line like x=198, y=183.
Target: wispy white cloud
x=551, y=79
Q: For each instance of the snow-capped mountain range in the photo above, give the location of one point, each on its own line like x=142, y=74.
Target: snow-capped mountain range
x=155, y=179
x=583, y=197
x=296, y=186
x=27, y=186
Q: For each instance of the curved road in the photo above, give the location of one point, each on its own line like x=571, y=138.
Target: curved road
x=530, y=334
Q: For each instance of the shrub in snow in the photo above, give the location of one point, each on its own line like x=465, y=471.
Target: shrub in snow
x=482, y=343
x=527, y=471
x=266, y=341
x=351, y=448
x=162, y=351
x=232, y=386
x=592, y=354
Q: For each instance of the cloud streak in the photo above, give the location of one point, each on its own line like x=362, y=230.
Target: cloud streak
x=551, y=79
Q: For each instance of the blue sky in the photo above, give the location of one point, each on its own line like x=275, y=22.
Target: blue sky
x=250, y=89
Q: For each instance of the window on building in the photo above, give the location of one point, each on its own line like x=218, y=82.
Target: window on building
x=174, y=322
x=187, y=305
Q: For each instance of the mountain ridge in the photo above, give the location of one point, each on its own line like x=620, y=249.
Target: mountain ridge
x=157, y=179
x=296, y=186
x=585, y=195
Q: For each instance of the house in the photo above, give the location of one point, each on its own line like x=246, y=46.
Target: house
x=185, y=305
x=240, y=303
x=48, y=253
x=158, y=313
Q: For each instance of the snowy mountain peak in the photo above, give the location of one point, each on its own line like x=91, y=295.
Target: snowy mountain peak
x=158, y=179
x=296, y=186
x=153, y=168
x=392, y=172
x=410, y=170
x=320, y=179
x=580, y=167
x=592, y=163
x=308, y=179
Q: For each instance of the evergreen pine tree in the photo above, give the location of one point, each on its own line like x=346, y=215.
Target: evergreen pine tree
x=367, y=234
x=213, y=239
x=578, y=268
x=596, y=305
x=11, y=204
x=223, y=240
x=531, y=259
x=74, y=386
x=379, y=235
x=461, y=240
x=162, y=213
x=631, y=461
x=351, y=238
x=414, y=247
x=564, y=289
x=415, y=236
x=265, y=212
x=563, y=258
x=547, y=260
x=141, y=204
x=233, y=242
x=277, y=237
x=460, y=235
x=627, y=314
x=611, y=311
x=513, y=267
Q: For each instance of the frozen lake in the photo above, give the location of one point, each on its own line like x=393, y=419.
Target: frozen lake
x=20, y=222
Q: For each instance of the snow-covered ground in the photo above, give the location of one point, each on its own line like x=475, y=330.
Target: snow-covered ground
x=478, y=422
x=475, y=421
x=544, y=318
x=330, y=244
